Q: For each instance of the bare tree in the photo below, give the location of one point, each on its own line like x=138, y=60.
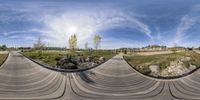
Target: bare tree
x=86, y=45
x=73, y=42
x=39, y=45
x=97, y=41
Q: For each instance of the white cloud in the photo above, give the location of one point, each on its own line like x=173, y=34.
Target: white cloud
x=185, y=24
x=87, y=24
x=62, y=22
x=56, y=21
x=113, y=43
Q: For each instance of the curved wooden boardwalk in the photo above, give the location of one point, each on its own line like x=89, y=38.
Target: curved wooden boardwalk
x=21, y=79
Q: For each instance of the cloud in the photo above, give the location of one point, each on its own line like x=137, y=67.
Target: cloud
x=25, y=36
x=55, y=24
x=186, y=23
x=113, y=43
x=112, y=19
x=87, y=24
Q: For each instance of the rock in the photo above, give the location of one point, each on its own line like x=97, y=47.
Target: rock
x=84, y=65
x=176, y=67
x=102, y=59
x=69, y=66
x=93, y=64
x=95, y=60
x=76, y=59
x=82, y=60
x=74, y=62
x=183, y=59
x=154, y=68
x=89, y=59
x=192, y=67
x=63, y=61
x=68, y=62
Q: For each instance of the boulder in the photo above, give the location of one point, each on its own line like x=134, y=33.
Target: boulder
x=74, y=62
x=95, y=59
x=154, y=68
x=63, y=61
x=68, y=62
x=89, y=59
x=102, y=59
x=82, y=59
x=93, y=64
x=85, y=65
x=76, y=59
x=69, y=66
x=192, y=67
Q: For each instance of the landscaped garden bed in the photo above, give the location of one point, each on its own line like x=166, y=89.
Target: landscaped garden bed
x=165, y=65
x=70, y=60
x=3, y=57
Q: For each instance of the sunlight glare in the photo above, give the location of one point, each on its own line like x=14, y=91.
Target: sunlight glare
x=72, y=29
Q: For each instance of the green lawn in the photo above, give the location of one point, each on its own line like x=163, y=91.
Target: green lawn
x=3, y=58
x=51, y=57
x=163, y=60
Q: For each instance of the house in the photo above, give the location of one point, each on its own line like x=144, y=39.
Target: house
x=154, y=48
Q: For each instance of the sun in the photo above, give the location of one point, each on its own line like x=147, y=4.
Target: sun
x=72, y=29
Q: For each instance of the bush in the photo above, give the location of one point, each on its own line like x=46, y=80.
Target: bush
x=52, y=57
x=58, y=58
x=3, y=47
x=145, y=70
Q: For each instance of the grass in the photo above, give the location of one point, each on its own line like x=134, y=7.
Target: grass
x=195, y=59
x=51, y=57
x=163, y=60
x=3, y=58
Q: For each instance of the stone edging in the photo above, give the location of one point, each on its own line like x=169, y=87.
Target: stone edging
x=62, y=70
x=164, y=78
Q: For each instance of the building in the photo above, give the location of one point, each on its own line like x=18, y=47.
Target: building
x=154, y=48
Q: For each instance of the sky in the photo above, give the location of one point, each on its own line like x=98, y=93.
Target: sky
x=120, y=23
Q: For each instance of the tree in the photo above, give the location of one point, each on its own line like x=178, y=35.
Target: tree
x=86, y=45
x=97, y=41
x=3, y=47
x=72, y=42
x=39, y=45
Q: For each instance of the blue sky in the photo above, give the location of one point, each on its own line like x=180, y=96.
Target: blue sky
x=121, y=23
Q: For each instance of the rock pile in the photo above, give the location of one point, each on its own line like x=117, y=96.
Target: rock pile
x=175, y=68
x=79, y=62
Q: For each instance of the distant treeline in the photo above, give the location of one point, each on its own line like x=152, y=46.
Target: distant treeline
x=58, y=48
x=44, y=48
x=3, y=47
